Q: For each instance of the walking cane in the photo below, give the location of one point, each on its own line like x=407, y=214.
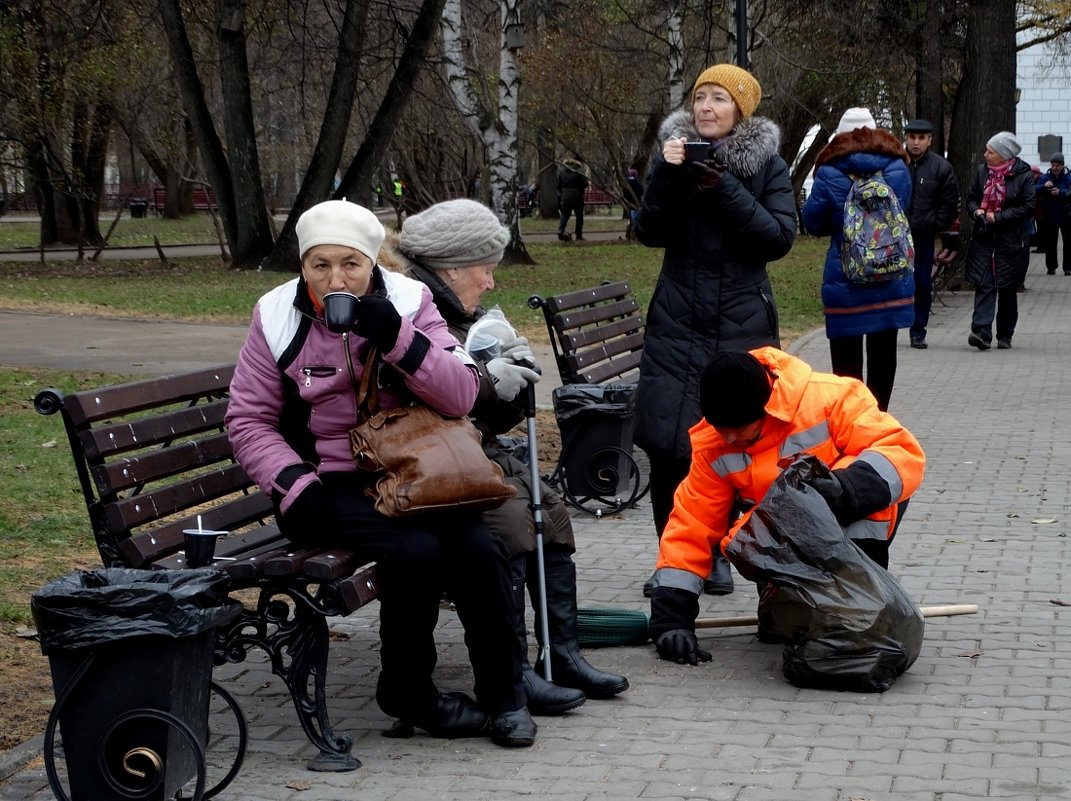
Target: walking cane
x=537, y=516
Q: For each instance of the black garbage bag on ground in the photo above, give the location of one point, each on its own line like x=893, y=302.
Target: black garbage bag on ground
x=88, y=608
x=846, y=623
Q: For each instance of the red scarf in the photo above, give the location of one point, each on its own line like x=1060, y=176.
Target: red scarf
x=994, y=193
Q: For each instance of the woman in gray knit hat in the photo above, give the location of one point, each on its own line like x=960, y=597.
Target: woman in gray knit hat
x=453, y=248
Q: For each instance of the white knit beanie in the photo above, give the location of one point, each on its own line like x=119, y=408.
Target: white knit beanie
x=1005, y=144
x=855, y=118
x=339, y=222
x=454, y=233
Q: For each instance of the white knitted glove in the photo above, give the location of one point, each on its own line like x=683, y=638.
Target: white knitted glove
x=509, y=378
x=519, y=352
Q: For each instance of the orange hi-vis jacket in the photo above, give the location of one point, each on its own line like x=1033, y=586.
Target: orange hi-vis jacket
x=828, y=416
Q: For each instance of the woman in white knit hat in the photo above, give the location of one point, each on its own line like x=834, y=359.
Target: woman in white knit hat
x=1001, y=205
x=453, y=247
x=722, y=209
x=291, y=409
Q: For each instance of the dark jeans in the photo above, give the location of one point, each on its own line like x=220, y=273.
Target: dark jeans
x=1004, y=302
x=1047, y=239
x=667, y=471
x=418, y=558
x=923, y=286
x=576, y=208
x=846, y=356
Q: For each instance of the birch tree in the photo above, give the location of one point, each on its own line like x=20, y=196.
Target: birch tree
x=492, y=120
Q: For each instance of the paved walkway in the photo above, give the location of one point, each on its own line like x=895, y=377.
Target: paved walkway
x=985, y=712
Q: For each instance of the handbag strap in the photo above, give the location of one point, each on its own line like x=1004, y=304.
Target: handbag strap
x=368, y=391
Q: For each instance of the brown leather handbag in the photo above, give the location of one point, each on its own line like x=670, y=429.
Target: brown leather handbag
x=418, y=460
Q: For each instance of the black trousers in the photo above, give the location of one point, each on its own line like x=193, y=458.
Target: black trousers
x=667, y=471
x=418, y=558
x=846, y=356
x=1048, y=236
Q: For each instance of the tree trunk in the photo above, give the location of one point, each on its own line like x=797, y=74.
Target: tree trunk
x=929, y=83
x=985, y=100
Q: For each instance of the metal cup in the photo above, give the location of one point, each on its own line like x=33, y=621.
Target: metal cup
x=696, y=151
x=340, y=311
x=200, y=546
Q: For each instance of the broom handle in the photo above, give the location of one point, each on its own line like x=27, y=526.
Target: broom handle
x=752, y=620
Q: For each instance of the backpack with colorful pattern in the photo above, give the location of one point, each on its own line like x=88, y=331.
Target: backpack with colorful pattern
x=877, y=237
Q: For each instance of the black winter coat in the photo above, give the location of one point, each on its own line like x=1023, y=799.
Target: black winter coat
x=934, y=200
x=999, y=252
x=713, y=292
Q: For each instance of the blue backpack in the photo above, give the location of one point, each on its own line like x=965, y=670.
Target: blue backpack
x=877, y=237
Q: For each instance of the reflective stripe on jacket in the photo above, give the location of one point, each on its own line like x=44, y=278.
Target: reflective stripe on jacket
x=828, y=416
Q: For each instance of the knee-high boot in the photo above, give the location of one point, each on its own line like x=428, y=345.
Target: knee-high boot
x=544, y=698
x=569, y=667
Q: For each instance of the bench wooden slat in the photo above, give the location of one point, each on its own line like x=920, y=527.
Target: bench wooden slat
x=586, y=297
x=145, y=547
x=361, y=588
x=607, y=371
x=93, y=405
x=331, y=564
x=184, y=494
x=146, y=467
x=630, y=328
x=577, y=318
x=165, y=427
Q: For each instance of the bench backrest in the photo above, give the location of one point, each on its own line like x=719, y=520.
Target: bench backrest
x=151, y=456
x=596, y=333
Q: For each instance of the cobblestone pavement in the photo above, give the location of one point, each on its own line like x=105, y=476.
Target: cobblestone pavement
x=985, y=712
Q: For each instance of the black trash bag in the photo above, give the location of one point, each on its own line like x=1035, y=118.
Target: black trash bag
x=93, y=607
x=846, y=623
x=612, y=400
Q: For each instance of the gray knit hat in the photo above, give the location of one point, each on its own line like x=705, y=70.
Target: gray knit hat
x=454, y=233
x=1005, y=144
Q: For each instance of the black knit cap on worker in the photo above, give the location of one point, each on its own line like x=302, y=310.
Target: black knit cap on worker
x=733, y=390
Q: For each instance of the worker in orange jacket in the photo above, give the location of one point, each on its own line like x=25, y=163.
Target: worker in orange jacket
x=761, y=411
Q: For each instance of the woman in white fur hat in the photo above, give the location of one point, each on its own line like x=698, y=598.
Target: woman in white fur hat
x=291, y=409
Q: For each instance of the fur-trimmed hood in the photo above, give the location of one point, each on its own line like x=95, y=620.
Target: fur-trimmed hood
x=861, y=140
x=751, y=144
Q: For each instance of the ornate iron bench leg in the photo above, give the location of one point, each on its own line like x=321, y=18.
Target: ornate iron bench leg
x=295, y=638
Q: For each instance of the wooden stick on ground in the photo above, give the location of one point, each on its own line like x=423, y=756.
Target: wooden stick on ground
x=942, y=610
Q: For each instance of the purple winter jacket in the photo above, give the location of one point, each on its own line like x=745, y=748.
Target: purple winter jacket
x=293, y=400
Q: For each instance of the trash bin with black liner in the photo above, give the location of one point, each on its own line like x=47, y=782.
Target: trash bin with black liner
x=138, y=207
x=130, y=653
x=596, y=471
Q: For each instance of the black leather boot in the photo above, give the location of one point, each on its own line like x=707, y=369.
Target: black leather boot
x=449, y=715
x=514, y=729
x=544, y=698
x=568, y=666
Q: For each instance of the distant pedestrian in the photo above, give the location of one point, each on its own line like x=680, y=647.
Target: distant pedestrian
x=933, y=207
x=1001, y=203
x=858, y=312
x=572, y=181
x=1054, y=221
x=635, y=188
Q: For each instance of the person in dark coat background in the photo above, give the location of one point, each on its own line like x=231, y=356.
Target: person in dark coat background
x=1053, y=190
x=933, y=208
x=720, y=221
x=1001, y=203
x=854, y=311
x=572, y=181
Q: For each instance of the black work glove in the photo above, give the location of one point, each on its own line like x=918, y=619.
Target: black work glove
x=707, y=173
x=306, y=519
x=682, y=647
x=378, y=321
x=838, y=496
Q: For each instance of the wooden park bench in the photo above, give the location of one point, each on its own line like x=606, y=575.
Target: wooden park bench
x=597, y=338
x=598, y=196
x=152, y=456
x=203, y=199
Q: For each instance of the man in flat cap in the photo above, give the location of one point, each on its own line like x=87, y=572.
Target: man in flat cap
x=934, y=205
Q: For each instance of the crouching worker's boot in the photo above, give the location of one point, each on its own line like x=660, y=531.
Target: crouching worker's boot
x=568, y=666
x=445, y=715
x=544, y=698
